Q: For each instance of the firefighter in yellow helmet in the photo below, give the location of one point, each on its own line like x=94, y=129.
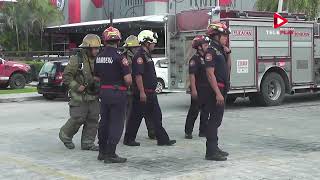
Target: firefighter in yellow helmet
x=131, y=46
x=84, y=105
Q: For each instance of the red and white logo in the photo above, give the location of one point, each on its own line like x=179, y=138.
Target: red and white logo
x=278, y=20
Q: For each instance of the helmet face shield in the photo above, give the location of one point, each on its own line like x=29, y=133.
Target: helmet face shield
x=155, y=36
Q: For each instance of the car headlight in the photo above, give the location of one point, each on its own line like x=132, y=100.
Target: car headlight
x=28, y=68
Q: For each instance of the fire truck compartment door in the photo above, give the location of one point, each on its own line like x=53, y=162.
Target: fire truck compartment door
x=302, y=52
x=243, y=56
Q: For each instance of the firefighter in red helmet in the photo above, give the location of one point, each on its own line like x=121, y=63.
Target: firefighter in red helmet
x=198, y=80
x=113, y=71
x=213, y=97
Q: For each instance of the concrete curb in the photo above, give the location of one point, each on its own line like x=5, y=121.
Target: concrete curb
x=20, y=99
x=33, y=84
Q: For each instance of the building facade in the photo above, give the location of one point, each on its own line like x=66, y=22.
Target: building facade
x=76, y=11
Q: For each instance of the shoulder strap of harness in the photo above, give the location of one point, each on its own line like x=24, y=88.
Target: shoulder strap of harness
x=80, y=59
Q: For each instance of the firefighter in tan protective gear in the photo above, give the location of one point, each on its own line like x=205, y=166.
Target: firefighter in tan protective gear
x=84, y=104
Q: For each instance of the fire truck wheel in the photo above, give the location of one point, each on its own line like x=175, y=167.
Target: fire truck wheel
x=17, y=81
x=272, y=90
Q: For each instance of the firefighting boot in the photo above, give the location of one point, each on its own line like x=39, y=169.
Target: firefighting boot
x=131, y=143
x=212, y=154
x=215, y=156
x=66, y=140
x=90, y=148
x=151, y=135
x=112, y=157
x=169, y=143
x=102, y=152
x=188, y=136
x=223, y=153
x=201, y=134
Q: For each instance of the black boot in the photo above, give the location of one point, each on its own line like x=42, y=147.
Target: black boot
x=90, y=148
x=151, y=135
x=223, y=153
x=169, y=143
x=215, y=156
x=188, y=136
x=102, y=152
x=112, y=157
x=101, y=155
x=212, y=154
x=201, y=134
x=131, y=143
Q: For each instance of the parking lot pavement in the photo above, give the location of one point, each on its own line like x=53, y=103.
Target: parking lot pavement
x=7, y=98
x=265, y=143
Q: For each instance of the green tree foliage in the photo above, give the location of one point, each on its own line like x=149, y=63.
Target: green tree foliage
x=308, y=7
x=24, y=24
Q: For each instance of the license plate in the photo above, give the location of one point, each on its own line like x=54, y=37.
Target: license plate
x=45, y=80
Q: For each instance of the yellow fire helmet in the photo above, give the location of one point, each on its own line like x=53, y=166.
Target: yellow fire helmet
x=91, y=41
x=131, y=41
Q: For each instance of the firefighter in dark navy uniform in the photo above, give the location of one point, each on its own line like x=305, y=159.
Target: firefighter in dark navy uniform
x=217, y=69
x=145, y=100
x=131, y=46
x=198, y=79
x=113, y=72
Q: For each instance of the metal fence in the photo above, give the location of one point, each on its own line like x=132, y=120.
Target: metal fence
x=36, y=55
x=52, y=55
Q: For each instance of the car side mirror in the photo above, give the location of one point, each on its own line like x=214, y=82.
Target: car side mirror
x=163, y=64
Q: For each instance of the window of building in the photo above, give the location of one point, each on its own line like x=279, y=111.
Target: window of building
x=201, y=3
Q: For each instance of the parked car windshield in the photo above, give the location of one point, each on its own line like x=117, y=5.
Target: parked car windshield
x=49, y=69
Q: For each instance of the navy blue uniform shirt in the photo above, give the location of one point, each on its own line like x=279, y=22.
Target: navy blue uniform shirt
x=142, y=64
x=111, y=66
x=197, y=67
x=215, y=57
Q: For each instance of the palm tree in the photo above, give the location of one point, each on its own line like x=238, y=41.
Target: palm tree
x=308, y=7
x=9, y=14
x=45, y=15
x=29, y=18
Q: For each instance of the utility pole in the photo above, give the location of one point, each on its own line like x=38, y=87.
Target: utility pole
x=280, y=4
x=111, y=19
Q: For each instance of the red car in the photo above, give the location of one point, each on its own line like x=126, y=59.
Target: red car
x=14, y=74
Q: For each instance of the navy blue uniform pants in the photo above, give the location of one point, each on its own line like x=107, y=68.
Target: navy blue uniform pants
x=150, y=110
x=148, y=122
x=195, y=108
x=216, y=113
x=113, y=106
